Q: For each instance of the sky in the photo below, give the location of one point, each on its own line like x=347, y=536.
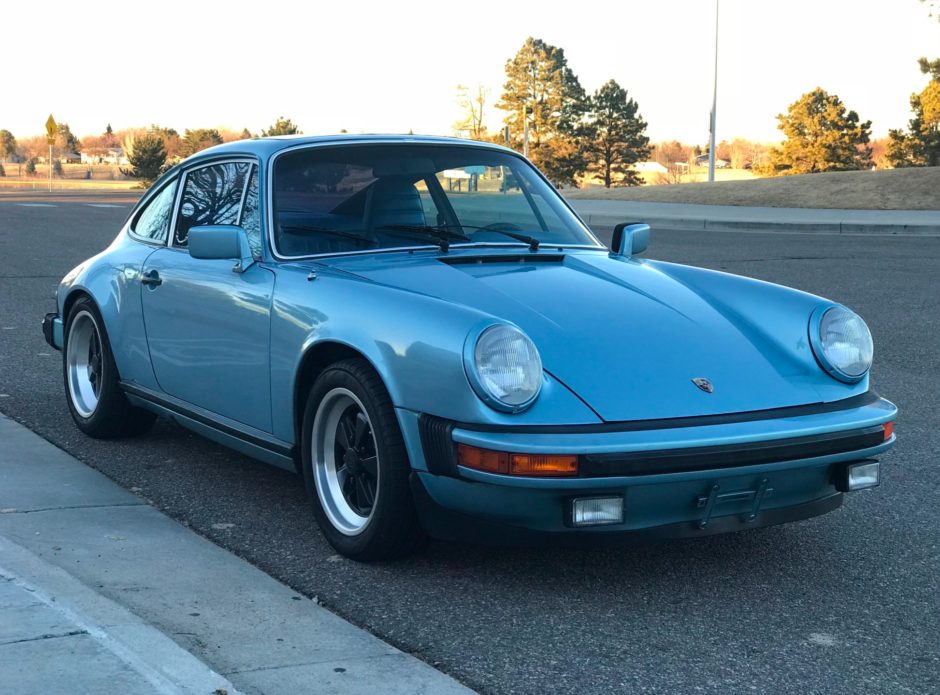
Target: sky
x=394, y=66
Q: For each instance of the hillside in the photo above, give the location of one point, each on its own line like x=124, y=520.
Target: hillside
x=891, y=189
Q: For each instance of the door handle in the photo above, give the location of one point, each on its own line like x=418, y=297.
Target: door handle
x=151, y=278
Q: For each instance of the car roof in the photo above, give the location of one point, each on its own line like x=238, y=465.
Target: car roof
x=265, y=147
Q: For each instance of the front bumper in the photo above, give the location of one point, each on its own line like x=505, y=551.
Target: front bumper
x=52, y=330
x=682, y=481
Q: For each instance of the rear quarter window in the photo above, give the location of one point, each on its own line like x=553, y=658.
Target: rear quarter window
x=152, y=222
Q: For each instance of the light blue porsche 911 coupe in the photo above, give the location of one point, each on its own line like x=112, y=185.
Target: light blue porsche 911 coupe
x=426, y=331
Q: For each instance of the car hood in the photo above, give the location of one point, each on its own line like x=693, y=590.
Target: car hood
x=624, y=335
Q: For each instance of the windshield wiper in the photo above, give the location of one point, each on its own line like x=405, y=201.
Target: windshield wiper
x=524, y=238
x=444, y=231
x=441, y=235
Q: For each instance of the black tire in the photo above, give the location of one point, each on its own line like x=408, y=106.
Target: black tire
x=112, y=416
x=392, y=529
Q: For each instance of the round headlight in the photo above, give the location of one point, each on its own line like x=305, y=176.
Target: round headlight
x=505, y=368
x=845, y=347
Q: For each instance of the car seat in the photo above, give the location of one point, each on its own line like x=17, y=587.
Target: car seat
x=393, y=200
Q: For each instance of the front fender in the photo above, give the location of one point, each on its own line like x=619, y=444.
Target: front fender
x=414, y=341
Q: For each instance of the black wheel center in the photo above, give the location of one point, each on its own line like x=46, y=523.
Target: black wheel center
x=351, y=461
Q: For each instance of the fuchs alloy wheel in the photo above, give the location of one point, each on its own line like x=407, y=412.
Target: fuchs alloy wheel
x=355, y=465
x=92, y=385
x=345, y=461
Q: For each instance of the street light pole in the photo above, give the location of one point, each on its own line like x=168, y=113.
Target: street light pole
x=711, y=125
x=525, y=130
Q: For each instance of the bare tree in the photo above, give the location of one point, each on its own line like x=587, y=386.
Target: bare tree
x=471, y=103
x=675, y=173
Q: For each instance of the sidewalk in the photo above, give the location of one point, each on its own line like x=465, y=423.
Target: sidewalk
x=728, y=218
x=101, y=593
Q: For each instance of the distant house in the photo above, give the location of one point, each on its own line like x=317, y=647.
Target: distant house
x=650, y=168
x=104, y=155
x=702, y=161
x=63, y=157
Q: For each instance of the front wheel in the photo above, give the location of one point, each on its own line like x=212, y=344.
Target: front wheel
x=356, y=467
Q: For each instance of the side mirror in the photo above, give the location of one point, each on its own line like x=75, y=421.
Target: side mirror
x=629, y=239
x=221, y=242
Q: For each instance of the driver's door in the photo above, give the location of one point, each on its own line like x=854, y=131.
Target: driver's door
x=208, y=327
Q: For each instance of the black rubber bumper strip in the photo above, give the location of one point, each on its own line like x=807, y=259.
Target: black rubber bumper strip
x=440, y=452
x=729, y=456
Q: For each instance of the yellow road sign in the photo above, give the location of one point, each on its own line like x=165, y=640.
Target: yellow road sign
x=51, y=129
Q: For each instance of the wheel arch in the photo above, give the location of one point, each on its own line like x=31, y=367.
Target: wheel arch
x=316, y=358
x=72, y=297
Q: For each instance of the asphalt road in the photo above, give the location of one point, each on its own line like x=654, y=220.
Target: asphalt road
x=848, y=602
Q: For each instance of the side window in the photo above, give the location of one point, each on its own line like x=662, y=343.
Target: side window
x=251, y=216
x=211, y=195
x=153, y=222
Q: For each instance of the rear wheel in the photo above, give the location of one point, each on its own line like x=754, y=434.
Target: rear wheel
x=355, y=465
x=92, y=385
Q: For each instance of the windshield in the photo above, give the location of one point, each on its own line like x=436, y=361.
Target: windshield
x=372, y=197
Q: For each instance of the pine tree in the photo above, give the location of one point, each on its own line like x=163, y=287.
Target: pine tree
x=67, y=139
x=541, y=87
x=107, y=138
x=920, y=145
x=821, y=136
x=614, y=137
x=7, y=144
x=283, y=126
x=198, y=139
x=147, y=158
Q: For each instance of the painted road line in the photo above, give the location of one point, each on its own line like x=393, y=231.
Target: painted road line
x=105, y=205
x=36, y=205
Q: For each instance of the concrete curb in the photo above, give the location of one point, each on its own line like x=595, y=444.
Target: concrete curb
x=730, y=218
x=176, y=607
x=768, y=227
x=144, y=650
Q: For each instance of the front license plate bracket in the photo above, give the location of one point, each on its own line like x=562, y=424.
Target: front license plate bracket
x=715, y=498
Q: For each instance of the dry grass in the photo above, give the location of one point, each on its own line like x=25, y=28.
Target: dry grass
x=892, y=189
x=74, y=176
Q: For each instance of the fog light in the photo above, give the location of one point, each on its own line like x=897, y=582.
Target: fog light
x=596, y=511
x=863, y=475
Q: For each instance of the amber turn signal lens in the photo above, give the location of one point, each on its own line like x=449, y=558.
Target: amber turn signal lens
x=536, y=465
x=889, y=430
x=483, y=459
x=543, y=464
